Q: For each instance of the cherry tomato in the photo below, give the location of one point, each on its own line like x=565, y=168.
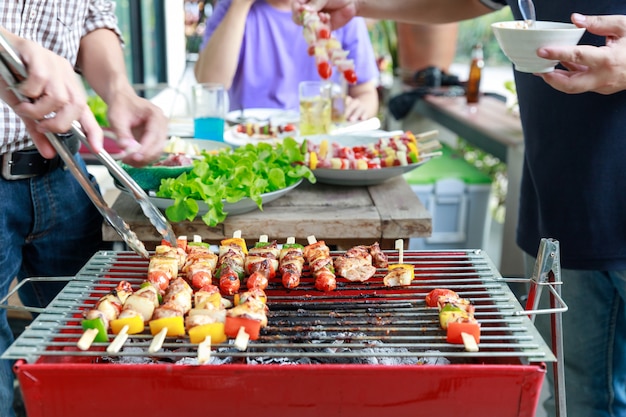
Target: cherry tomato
x=311, y=50
x=324, y=70
x=289, y=128
x=159, y=279
x=323, y=33
x=432, y=297
x=350, y=76
x=201, y=279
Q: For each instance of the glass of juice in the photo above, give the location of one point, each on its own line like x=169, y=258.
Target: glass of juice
x=338, y=96
x=315, y=107
x=209, y=110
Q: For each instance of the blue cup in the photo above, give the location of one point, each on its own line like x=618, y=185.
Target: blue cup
x=209, y=110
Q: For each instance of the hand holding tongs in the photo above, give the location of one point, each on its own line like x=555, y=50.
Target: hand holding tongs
x=13, y=71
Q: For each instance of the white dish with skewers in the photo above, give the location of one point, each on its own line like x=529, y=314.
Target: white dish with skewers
x=361, y=160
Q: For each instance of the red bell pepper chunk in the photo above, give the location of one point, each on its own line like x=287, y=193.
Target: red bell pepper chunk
x=233, y=324
x=469, y=326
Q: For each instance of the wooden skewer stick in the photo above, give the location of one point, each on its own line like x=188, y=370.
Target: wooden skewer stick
x=157, y=341
x=469, y=342
x=197, y=239
x=426, y=135
x=400, y=248
x=430, y=155
x=291, y=240
x=241, y=340
x=204, y=350
x=85, y=341
x=119, y=340
x=263, y=239
x=311, y=239
x=237, y=234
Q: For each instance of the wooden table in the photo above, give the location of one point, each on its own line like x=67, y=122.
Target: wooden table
x=492, y=128
x=341, y=216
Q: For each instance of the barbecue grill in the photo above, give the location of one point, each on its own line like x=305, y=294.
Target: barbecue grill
x=364, y=349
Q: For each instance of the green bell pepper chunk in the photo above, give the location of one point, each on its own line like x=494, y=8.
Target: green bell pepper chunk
x=97, y=324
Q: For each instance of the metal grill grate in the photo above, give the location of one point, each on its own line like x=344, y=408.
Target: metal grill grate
x=358, y=320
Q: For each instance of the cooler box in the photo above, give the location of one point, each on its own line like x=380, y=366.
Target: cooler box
x=457, y=196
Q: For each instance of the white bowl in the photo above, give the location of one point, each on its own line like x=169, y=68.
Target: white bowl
x=520, y=43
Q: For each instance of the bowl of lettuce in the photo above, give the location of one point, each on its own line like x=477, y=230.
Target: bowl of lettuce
x=247, y=172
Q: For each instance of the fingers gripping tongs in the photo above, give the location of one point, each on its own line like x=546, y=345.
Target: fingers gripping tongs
x=13, y=71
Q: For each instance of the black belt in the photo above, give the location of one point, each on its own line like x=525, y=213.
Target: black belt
x=28, y=163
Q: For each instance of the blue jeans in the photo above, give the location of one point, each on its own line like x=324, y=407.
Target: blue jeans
x=48, y=227
x=594, y=339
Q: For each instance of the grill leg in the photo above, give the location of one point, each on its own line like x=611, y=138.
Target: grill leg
x=557, y=348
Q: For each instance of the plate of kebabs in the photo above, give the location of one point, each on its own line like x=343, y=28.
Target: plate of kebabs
x=365, y=160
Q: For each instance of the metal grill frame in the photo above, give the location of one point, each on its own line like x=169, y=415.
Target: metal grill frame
x=397, y=317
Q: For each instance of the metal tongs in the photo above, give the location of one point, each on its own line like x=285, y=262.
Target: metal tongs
x=13, y=71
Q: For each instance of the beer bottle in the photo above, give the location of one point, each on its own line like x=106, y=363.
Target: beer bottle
x=472, y=90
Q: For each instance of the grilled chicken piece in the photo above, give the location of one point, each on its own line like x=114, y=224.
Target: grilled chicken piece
x=355, y=264
x=142, y=301
x=200, y=268
x=354, y=269
x=379, y=258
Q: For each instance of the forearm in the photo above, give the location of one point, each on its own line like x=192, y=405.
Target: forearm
x=421, y=11
x=219, y=59
x=101, y=61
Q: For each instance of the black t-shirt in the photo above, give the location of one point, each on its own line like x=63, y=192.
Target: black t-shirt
x=574, y=176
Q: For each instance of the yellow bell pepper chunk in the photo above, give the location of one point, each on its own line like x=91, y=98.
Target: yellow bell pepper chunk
x=313, y=161
x=237, y=299
x=236, y=241
x=403, y=266
x=323, y=149
x=175, y=326
x=197, y=334
x=413, y=148
x=135, y=324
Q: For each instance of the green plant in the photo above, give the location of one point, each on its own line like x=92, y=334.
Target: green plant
x=494, y=168
x=478, y=30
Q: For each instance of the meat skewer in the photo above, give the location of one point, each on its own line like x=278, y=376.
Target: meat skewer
x=107, y=308
x=400, y=274
x=456, y=316
x=199, y=267
x=291, y=263
x=317, y=255
x=230, y=263
x=245, y=320
x=168, y=318
x=261, y=263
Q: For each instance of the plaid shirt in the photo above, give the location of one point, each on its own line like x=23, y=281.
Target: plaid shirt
x=57, y=25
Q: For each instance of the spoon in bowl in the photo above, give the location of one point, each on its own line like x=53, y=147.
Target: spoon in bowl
x=527, y=7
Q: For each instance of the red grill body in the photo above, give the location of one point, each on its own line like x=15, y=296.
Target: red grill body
x=503, y=379
x=83, y=389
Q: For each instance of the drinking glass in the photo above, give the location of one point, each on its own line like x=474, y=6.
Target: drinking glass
x=315, y=107
x=209, y=110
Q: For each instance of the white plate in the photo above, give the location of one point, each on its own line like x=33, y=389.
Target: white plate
x=277, y=116
x=234, y=138
x=244, y=205
x=359, y=177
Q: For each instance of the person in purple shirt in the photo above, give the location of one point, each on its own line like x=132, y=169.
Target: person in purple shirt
x=259, y=54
